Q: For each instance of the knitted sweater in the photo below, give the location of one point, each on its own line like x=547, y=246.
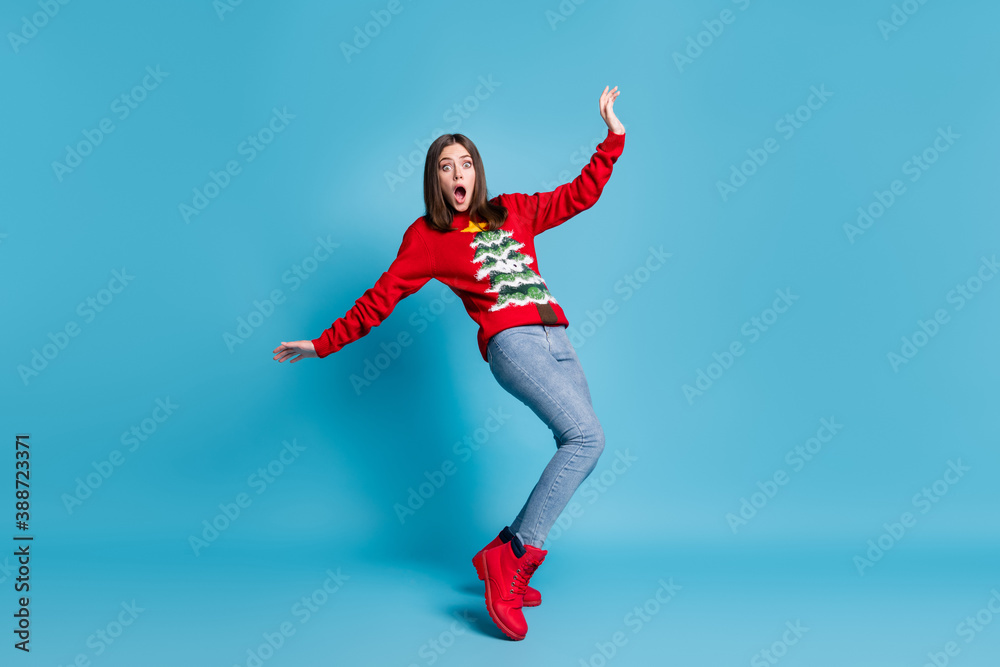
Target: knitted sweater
x=495, y=273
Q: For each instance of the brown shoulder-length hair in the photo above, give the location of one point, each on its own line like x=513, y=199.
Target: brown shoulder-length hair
x=439, y=213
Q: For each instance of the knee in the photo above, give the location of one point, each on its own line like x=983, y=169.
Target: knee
x=597, y=439
x=588, y=435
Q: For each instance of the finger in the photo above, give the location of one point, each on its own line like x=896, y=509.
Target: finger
x=297, y=358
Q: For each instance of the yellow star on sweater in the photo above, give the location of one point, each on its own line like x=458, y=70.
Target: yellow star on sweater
x=475, y=227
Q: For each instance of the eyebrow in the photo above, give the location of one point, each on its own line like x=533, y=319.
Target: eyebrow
x=461, y=156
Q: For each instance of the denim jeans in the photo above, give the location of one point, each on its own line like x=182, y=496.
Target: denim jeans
x=537, y=365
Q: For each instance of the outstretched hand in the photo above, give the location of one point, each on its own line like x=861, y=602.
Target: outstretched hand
x=608, y=112
x=300, y=349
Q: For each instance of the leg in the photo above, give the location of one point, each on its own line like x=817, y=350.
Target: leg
x=538, y=366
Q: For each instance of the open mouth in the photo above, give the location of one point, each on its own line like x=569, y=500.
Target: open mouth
x=460, y=194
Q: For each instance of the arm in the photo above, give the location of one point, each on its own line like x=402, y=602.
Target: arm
x=408, y=273
x=544, y=211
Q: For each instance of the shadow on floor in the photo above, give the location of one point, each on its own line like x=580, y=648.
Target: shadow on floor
x=477, y=619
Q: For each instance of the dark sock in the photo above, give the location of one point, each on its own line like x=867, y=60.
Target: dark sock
x=506, y=534
x=516, y=546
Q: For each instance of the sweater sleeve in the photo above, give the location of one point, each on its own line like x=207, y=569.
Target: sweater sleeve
x=542, y=211
x=408, y=273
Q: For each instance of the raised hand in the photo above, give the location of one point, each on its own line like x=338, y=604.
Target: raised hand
x=300, y=349
x=608, y=112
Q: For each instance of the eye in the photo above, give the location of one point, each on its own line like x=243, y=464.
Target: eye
x=467, y=163
x=445, y=167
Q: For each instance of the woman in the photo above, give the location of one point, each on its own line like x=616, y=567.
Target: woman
x=483, y=249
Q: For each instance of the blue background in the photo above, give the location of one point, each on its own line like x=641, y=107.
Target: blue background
x=324, y=176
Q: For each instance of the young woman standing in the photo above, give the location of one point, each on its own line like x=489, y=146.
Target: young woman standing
x=483, y=249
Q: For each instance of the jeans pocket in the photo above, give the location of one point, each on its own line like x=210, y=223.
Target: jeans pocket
x=559, y=344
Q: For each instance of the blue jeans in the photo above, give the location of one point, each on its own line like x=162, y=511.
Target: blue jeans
x=537, y=365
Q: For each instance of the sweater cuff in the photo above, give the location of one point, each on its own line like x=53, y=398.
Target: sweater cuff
x=321, y=348
x=613, y=143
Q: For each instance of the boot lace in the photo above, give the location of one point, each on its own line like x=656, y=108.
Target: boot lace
x=521, y=576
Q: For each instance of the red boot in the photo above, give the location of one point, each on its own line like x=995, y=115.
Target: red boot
x=532, y=598
x=507, y=568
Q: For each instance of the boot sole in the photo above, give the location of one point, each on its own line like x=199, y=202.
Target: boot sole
x=489, y=602
x=479, y=572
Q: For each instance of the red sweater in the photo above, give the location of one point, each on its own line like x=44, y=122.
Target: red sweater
x=495, y=273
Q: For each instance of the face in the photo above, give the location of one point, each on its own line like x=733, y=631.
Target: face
x=457, y=176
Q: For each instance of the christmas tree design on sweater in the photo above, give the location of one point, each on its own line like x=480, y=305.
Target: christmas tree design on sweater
x=497, y=253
